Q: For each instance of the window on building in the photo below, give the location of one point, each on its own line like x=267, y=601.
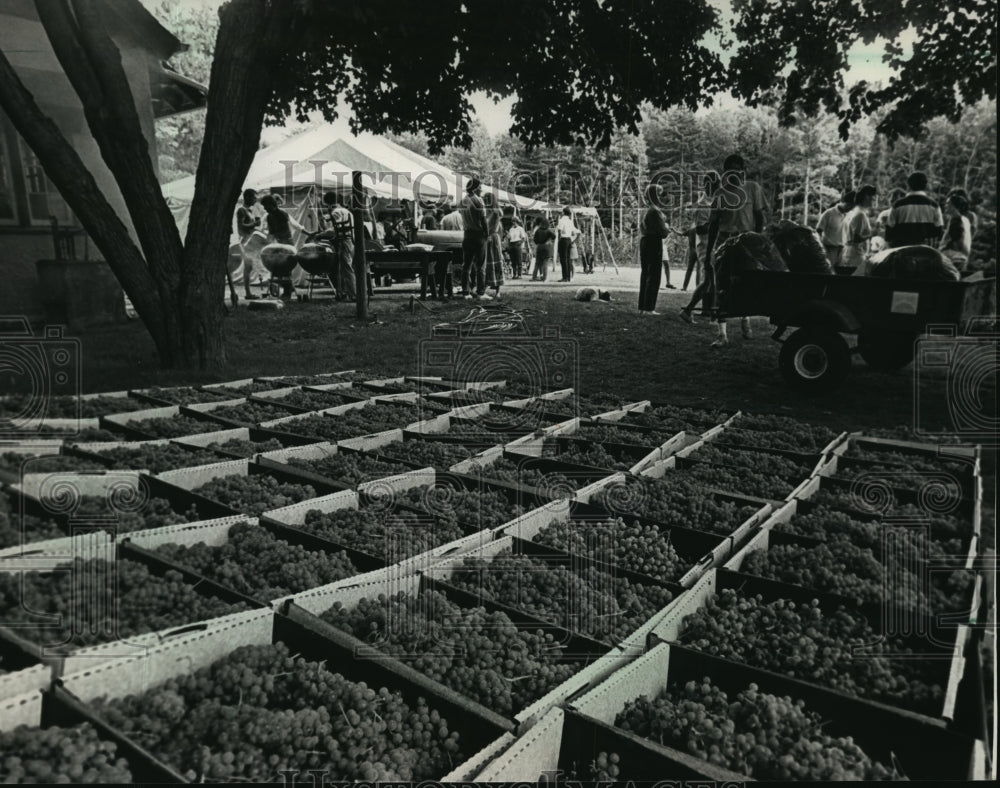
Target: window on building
x=8, y=206
x=44, y=201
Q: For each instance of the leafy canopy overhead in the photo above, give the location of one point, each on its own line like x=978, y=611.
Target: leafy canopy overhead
x=794, y=54
x=580, y=68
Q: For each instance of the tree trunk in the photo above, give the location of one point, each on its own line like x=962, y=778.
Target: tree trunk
x=245, y=48
x=359, y=262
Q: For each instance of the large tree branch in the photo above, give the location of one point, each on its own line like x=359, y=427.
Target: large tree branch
x=93, y=64
x=78, y=187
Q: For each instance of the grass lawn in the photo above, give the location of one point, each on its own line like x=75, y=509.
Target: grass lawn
x=645, y=357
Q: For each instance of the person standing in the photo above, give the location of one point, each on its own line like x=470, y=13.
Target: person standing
x=544, y=240
x=494, y=250
x=915, y=218
x=832, y=228
x=247, y=221
x=566, y=232
x=428, y=221
x=858, y=230
x=474, y=241
x=956, y=243
x=452, y=220
x=342, y=225
x=516, y=236
x=653, y=231
x=739, y=206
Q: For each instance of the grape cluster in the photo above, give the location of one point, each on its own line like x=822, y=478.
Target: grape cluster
x=675, y=500
x=508, y=470
x=60, y=755
x=913, y=462
x=390, y=536
x=944, y=524
x=594, y=455
x=172, y=426
x=482, y=432
x=673, y=419
x=158, y=458
x=477, y=509
x=749, y=481
x=123, y=599
x=636, y=547
x=155, y=513
x=825, y=523
x=256, y=493
x=760, y=439
x=810, y=437
x=768, y=464
x=611, y=433
x=311, y=380
x=248, y=388
x=72, y=407
x=87, y=435
x=251, y=412
x=433, y=454
x=257, y=563
x=181, y=395
x=843, y=568
x=482, y=655
x=349, y=468
x=375, y=417
x=757, y=734
x=247, y=448
x=260, y=711
x=899, y=478
x=34, y=463
x=15, y=530
x=588, y=601
x=808, y=643
x=314, y=400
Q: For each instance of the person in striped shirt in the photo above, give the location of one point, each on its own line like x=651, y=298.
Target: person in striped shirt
x=915, y=218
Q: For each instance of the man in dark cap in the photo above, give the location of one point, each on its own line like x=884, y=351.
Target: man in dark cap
x=474, y=240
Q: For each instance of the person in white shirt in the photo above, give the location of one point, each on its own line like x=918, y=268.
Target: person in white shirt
x=452, y=221
x=858, y=230
x=832, y=228
x=566, y=232
x=516, y=236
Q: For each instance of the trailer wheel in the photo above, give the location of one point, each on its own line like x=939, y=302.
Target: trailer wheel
x=886, y=350
x=815, y=360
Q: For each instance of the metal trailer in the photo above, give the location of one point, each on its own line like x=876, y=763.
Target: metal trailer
x=886, y=315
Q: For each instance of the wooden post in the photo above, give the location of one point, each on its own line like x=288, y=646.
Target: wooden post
x=360, y=262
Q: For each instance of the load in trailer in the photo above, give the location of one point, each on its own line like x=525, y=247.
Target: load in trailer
x=886, y=315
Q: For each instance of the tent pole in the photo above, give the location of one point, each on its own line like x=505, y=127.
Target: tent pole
x=360, y=262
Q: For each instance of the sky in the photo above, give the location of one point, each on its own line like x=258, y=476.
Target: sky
x=865, y=63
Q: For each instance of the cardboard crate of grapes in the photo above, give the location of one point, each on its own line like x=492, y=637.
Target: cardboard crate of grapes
x=397, y=609
x=860, y=568
x=609, y=607
x=244, y=443
x=673, y=554
x=330, y=463
x=937, y=481
x=320, y=378
x=244, y=487
x=264, y=562
x=169, y=421
x=695, y=422
x=678, y=714
x=909, y=665
x=261, y=653
x=384, y=531
x=152, y=456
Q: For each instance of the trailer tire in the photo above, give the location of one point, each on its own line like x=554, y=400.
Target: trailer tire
x=888, y=351
x=814, y=360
